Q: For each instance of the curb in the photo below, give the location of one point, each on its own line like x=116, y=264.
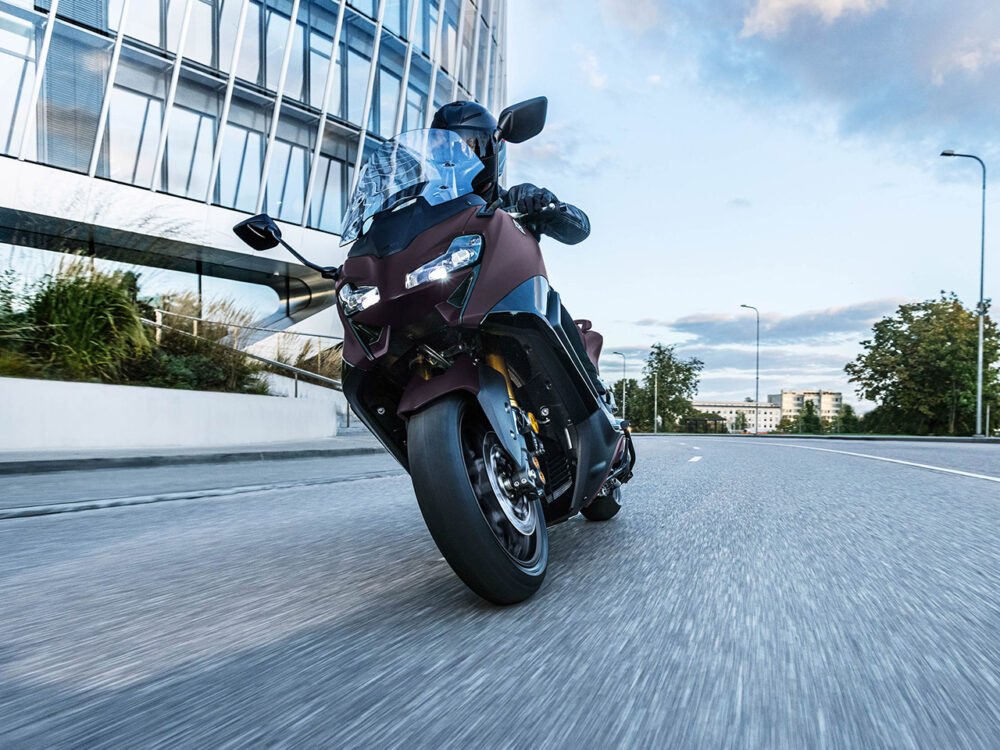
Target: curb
x=45, y=466
x=878, y=438
x=124, y=502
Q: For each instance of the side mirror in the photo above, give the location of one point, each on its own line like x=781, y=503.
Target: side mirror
x=259, y=232
x=522, y=121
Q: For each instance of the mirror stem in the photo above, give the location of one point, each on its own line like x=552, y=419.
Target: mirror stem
x=327, y=272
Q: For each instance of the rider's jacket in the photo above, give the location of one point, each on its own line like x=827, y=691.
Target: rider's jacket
x=567, y=223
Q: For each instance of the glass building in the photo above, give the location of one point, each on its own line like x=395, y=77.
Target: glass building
x=140, y=130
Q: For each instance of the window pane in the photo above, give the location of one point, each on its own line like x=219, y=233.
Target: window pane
x=482, y=59
x=388, y=100
x=416, y=109
x=240, y=167
x=243, y=143
x=143, y=22
x=286, y=182
x=423, y=33
x=71, y=96
x=134, y=117
x=198, y=45
x=286, y=178
x=368, y=7
x=395, y=17
x=229, y=17
x=277, y=36
x=18, y=37
x=320, y=49
x=357, y=80
x=442, y=94
x=359, y=34
x=249, y=65
x=189, y=152
x=132, y=133
x=449, y=35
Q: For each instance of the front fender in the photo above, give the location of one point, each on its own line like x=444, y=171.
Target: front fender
x=479, y=380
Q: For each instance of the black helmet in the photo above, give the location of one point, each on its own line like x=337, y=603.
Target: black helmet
x=477, y=127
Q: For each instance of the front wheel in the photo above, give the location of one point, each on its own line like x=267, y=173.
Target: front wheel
x=492, y=538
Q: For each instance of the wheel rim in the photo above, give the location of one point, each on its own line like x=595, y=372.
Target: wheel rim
x=513, y=519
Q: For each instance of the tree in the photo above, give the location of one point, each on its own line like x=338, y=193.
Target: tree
x=847, y=421
x=668, y=381
x=787, y=424
x=809, y=420
x=674, y=379
x=920, y=368
x=634, y=398
x=741, y=422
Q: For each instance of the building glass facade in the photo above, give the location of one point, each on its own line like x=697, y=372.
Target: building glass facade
x=245, y=104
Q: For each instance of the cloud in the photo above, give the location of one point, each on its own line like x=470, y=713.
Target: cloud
x=918, y=73
x=558, y=150
x=739, y=203
x=639, y=16
x=591, y=69
x=772, y=358
x=814, y=326
x=773, y=17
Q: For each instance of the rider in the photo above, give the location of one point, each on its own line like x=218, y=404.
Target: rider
x=541, y=212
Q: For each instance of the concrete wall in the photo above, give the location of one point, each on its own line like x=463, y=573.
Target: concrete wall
x=281, y=385
x=54, y=415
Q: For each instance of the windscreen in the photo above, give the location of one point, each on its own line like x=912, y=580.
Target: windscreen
x=436, y=165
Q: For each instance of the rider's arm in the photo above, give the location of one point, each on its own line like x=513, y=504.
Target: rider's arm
x=563, y=222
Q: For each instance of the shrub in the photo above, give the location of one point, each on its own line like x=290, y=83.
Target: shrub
x=201, y=363
x=17, y=365
x=85, y=324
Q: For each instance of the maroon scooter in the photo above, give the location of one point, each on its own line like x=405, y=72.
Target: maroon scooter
x=458, y=358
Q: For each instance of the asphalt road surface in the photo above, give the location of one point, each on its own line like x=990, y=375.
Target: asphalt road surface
x=751, y=594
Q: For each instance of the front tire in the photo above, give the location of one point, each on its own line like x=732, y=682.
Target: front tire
x=495, y=542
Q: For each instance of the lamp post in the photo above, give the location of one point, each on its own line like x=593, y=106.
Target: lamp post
x=756, y=392
x=982, y=312
x=623, y=381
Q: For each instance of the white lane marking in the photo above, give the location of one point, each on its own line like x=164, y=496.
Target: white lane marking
x=893, y=461
x=696, y=458
x=696, y=447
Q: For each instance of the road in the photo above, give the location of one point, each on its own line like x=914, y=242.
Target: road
x=765, y=595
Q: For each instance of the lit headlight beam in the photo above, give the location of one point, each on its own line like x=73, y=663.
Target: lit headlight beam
x=354, y=300
x=463, y=252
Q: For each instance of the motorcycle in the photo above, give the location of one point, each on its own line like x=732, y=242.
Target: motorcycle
x=457, y=357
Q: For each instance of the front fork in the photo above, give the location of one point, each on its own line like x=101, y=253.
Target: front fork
x=529, y=479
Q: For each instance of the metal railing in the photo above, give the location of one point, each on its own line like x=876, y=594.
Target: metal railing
x=233, y=327
x=296, y=371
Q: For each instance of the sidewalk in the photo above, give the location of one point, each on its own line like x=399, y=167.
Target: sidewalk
x=353, y=442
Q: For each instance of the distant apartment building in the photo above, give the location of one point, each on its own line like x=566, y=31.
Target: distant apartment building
x=769, y=413
x=791, y=403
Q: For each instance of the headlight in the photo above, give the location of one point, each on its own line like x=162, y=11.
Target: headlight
x=463, y=251
x=353, y=300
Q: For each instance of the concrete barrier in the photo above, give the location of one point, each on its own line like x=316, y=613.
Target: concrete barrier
x=54, y=415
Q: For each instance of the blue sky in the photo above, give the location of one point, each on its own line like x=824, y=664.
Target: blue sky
x=778, y=153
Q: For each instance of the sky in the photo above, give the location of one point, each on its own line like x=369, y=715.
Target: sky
x=776, y=153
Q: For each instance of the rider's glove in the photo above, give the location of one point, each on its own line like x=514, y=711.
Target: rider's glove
x=531, y=200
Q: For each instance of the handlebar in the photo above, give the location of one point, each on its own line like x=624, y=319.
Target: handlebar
x=549, y=209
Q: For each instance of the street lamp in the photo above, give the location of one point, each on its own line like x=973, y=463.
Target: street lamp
x=982, y=312
x=756, y=392
x=623, y=381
